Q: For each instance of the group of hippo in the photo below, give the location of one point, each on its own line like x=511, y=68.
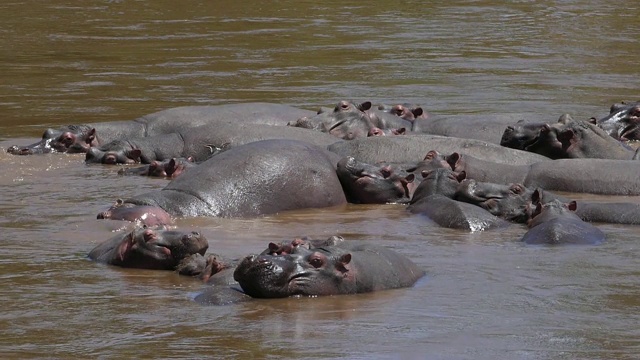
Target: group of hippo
x=245, y=160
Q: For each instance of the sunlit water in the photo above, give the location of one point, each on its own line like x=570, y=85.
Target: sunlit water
x=485, y=296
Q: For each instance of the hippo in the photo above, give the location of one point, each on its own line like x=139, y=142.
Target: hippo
x=169, y=169
x=198, y=143
x=485, y=128
x=555, y=223
x=434, y=198
x=514, y=202
x=141, y=214
x=327, y=270
x=79, y=138
x=595, y=176
x=369, y=184
x=145, y=248
x=573, y=139
x=398, y=117
x=521, y=134
x=623, y=121
x=347, y=121
x=259, y=178
x=408, y=148
x=376, y=131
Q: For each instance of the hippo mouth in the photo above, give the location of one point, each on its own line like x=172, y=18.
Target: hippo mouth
x=631, y=132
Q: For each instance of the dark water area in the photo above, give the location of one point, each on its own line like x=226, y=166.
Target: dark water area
x=485, y=296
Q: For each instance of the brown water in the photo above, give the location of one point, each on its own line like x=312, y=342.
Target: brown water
x=486, y=296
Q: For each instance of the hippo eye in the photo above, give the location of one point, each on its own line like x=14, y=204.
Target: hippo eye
x=316, y=262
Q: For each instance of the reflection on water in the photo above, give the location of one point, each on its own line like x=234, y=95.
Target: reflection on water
x=485, y=295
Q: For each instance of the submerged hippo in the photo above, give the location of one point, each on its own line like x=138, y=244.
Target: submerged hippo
x=555, y=223
x=79, y=138
x=259, y=178
x=327, y=270
x=149, y=249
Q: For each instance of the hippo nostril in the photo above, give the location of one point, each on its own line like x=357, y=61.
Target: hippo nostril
x=100, y=216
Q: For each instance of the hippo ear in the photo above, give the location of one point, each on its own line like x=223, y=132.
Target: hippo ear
x=364, y=106
x=592, y=120
x=125, y=246
x=565, y=118
x=537, y=211
x=90, y=137
x=170, y=168
x=400, y=131
x=461, y=176
x=409, y=178
x=572, y=206
x=417, y=111
x=453, y=160
x=134, y=154
x=432, y=154
x=425, y=173
x=536, y=197
x=342, y=263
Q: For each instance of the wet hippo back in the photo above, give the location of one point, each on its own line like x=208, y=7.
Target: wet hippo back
x=258, y=178
x=175, y=119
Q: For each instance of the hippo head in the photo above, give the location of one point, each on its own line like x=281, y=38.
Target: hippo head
x=151, y=249
x=440, y=181
x=510, y=202
x=347, y=121
x=623, y=121
x=74, y=139
x=112, y=157
x=304, y=272
x=376, y=131
x=290, y=247
x=371, y=184
x=521, y=135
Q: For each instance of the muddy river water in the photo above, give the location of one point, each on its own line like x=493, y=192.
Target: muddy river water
x=485, y=296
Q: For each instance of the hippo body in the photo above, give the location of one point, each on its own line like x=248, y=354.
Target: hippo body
x=200, y=143
x=407, y=148
x=479, y=127
x=78, y=138
x=595, y=176
x=344, y=268
x=434, y=198
x=262, y=177
x=149, y=249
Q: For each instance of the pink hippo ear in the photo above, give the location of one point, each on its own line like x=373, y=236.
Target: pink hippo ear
x=126, y=246
x=400, y=131
x=134, y=154
x=90, y=137
x=572, y=206
x=461, y=176
x=342, y=263
x=432, y=154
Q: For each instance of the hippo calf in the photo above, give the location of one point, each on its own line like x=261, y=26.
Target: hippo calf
x=145, y=248
x=327, y=270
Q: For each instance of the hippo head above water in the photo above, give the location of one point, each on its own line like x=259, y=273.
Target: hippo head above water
x=73, y=139
x=150, y=249
x=371, y=184
x=346, y=121
x=623, y=121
